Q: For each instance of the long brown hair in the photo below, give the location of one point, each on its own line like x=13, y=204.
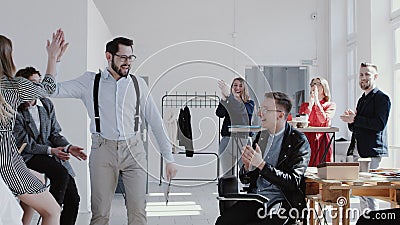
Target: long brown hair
x=245, y=96
x=7, y=68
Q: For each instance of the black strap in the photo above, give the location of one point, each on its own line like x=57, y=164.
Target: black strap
x=96, y=101
x=135, y=83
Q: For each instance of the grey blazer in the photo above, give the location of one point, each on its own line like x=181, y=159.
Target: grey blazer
x=25, y=131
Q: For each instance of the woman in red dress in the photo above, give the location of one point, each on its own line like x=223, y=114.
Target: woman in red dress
x=320, y=111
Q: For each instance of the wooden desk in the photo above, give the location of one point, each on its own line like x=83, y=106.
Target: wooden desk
x=328, y=130
x=337, y=193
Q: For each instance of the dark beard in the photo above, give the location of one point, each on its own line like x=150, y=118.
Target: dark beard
x=365, y=86
x=118, y=70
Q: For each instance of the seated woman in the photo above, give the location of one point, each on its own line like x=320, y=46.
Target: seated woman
x=320, y=111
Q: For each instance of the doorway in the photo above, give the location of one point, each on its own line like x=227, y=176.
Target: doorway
x=292, y=80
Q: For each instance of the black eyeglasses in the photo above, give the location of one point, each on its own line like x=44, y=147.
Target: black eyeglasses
x=265, y=110
x=315, y=83
x=125, y=58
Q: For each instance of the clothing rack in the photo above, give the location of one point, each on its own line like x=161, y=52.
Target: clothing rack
x=192, y=101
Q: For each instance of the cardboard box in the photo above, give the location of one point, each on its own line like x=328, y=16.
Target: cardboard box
x=338, y=170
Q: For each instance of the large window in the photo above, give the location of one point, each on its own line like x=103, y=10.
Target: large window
x=396, y=108
x=351, y=15
x=397, y=45
x=395, y=21
x=395, y=5
x=351, y=76
x=395, y=101
x=352, y=68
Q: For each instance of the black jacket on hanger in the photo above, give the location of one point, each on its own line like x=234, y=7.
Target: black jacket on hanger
x=185, y=131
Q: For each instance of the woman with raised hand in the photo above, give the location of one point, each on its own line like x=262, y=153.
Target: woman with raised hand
x=236, y=108
x=13, y=91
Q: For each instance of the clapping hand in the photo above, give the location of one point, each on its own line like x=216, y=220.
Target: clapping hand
x=313, y=96
x=251, y=157
x=348, y=116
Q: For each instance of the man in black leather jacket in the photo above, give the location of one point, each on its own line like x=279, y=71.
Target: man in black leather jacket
x=274, y=166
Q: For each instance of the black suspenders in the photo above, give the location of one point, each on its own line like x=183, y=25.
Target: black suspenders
x=96, y=101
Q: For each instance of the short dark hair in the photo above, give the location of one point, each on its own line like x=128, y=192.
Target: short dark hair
x=282, y=100
x=112, y=46
x=27, y=72
x=365, y=64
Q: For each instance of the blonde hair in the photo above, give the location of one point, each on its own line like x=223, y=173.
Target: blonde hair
x=325, y=85
x=7, y=68
x=245, y=96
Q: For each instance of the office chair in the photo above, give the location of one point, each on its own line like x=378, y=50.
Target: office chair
x=228, y=195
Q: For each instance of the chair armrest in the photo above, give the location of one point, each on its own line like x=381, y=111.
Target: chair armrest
x=243, y=197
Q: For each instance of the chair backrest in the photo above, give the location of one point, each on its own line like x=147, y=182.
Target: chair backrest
x=227, y=185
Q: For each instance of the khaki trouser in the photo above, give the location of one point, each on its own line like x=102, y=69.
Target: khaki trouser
x=107, y=160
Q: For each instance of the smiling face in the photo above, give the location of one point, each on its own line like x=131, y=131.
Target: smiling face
x=367, y=78
x=271, y=115
x=237, y=88
x=120, y=62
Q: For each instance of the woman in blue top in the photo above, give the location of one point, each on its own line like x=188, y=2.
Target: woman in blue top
x=236, y=108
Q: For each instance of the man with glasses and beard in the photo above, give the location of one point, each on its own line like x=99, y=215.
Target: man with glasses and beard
x=114, y=104
x=369, y=123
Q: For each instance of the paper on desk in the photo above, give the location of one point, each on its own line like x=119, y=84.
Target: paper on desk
x=312, y=170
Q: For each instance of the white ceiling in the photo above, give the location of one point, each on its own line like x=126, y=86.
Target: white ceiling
x=113, y=11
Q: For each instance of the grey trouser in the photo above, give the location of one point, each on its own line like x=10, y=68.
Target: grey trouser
x=108, y=159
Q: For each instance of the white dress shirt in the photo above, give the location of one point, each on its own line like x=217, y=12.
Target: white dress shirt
x=34, y=111
x=117, y=102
